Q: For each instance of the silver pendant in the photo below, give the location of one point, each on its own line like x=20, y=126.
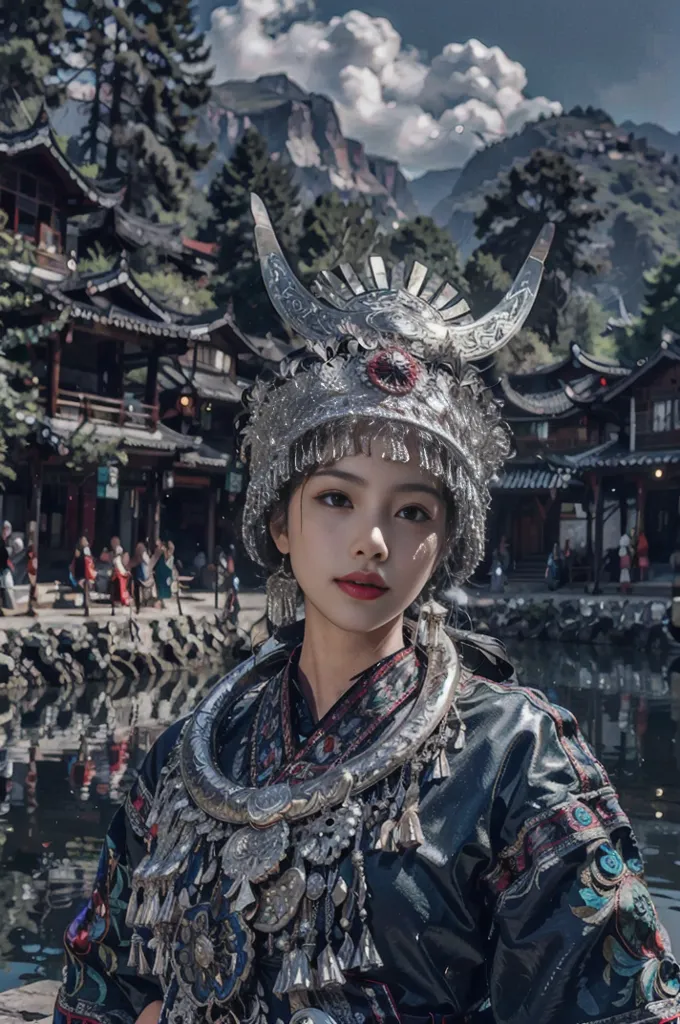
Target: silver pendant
x=279, y=902
x=321, y=840
x=254, y=854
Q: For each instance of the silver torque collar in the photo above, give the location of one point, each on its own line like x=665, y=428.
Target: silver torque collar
x=225, y=800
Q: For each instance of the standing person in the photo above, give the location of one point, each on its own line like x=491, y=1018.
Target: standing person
x=120, y=581
x=83, y=571
x=370, y=820
x=163, y=571
x=643, y=556
x=32, y=570
x=504, y=554
x=624, y=564
x=553, y=572
x=567, y=560
x=6, y=577
x=139, y=568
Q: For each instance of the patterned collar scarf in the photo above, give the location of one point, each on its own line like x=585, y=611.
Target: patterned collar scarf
x=286, y=744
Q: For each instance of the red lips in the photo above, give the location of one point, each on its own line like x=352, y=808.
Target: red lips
x=364, y=586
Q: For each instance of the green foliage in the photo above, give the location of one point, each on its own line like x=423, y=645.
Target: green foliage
x=423, y=240
x=31, y=32
x=547, y=187
x=238, y=280
x=583, y=321
x=20, y=412
x=150, y=79
x=96, y=261
x=660, y=312
x=175, y=291
x=335, y=232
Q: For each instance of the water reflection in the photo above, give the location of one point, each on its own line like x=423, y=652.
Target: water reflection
x=67, y=758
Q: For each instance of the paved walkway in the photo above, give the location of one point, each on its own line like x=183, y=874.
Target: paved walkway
x=199, y=604
x=33, y=1003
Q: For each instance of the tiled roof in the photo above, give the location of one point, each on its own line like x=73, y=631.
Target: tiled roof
x=162, y=439
x=531, y=478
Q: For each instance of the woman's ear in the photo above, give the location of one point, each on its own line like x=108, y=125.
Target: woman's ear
x=279, y=532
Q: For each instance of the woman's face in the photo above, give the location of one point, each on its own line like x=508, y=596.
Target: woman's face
x=364, y=536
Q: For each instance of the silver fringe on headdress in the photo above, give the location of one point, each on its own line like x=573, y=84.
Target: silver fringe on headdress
x=383, y=358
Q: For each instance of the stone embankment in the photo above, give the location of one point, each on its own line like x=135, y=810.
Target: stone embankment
x=640, y=624
x=98, y=649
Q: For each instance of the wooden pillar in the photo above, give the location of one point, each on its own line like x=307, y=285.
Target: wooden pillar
x=598, y=490
x=210, y=525
x=53, y=373
x=36, y=501
x=151, y=389
x=153, y=522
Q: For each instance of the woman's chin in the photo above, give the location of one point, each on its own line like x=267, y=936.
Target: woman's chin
x=364, y=617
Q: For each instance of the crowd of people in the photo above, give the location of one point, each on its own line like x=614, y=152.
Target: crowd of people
x=141, y=578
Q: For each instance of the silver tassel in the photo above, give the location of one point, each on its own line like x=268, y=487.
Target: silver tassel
x=143, y=964
x=282, y=983
x=282, y=598
x=366, y=957
x=300, y=971
x=440, y=766
x=460, y=738
x=168, y=909
x=409, y=830
x=132, y=906
x=132, y=956
x=328, y=969
x=159, y=961
x=153, y=910
x=346, y=953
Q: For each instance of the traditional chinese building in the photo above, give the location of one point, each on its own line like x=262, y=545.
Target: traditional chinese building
x=98, y=343
x=597, y=453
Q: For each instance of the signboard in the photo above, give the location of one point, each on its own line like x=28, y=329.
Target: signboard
x=107, y=482
x=234, y=482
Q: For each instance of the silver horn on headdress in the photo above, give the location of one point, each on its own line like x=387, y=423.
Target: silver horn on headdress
x=404, y=311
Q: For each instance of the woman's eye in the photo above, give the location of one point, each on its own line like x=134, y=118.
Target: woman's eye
x=415, y=514
x=335, y=499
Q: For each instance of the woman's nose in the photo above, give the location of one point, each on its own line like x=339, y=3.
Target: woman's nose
x=372, y=544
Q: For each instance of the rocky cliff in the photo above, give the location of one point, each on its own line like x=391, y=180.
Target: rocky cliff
x=304, y=130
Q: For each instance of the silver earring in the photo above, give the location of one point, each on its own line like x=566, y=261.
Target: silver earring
x=282, y=596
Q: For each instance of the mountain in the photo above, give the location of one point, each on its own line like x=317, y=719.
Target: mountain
x=303, y=129
x=430, y=188
x=655, y=135
x=637, y=184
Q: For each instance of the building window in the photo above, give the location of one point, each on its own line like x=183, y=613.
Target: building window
x=540, y=429
x=29, y=203
x=666, y=415
x=215, y=358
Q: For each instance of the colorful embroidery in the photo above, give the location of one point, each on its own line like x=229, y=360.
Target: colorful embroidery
x=613, y=889
x=371, y=701
x=549, y=836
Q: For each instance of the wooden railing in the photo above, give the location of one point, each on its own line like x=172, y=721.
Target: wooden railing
x=54, y=261
x=119, y=412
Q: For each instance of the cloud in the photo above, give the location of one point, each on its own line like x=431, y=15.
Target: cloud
x=429, y=116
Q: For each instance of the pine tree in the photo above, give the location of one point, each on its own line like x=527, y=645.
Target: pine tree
x=150, y=78
x=335, y=232
x=31, y=32
x=547, y=187
x=238, y=280
x=660, y=312
x=423, y=240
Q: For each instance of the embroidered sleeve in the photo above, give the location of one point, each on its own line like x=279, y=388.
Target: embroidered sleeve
x=576, y=937
x=102, y=978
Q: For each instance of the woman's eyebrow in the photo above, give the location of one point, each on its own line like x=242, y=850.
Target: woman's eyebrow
x=410, y=487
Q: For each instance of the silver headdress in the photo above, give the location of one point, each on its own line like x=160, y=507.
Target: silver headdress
x=383, y=357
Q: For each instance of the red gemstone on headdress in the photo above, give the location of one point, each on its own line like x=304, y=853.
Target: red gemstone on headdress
x=393, y=370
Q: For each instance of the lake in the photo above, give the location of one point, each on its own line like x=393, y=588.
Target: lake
x=67, y=758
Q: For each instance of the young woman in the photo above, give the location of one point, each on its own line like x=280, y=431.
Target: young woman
x=369, y=820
